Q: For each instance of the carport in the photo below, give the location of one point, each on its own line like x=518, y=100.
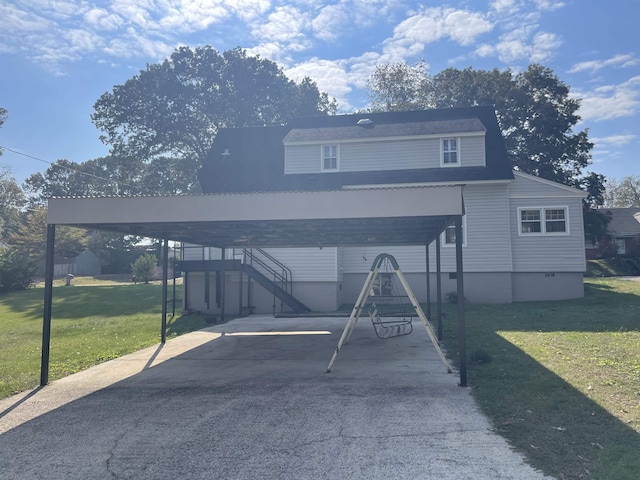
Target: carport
x=411, y=215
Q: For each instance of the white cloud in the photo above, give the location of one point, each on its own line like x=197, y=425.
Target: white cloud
x=248, y=10
x=611, y=101
x=133, y=44
x=330, y=75
x=101, y=19
x=330, y=22
x=434, y=24
x=617, y=61
x=284, y=24
x=614, y=140
x=549, y=4
x=521, y=44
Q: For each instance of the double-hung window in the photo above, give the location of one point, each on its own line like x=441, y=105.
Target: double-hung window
x=330, y=158
x=543, y=221
x=449, y=235
x=450, y=152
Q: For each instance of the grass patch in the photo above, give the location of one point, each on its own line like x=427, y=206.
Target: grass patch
x=605, y=267
x=562, y=383
x=90, y=324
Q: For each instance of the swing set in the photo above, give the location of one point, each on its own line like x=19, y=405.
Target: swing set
x=380, y=287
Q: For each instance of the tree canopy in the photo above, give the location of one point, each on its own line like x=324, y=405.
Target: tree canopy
x=12, y=200
x=624, y=192
x=535, y=110
x=164, y=120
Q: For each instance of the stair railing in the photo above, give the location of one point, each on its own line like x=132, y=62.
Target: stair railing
x=281, y=274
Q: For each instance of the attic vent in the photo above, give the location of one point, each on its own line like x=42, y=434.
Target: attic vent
x=365, y=121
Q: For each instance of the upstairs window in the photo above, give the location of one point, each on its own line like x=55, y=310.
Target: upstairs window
x=543, y=221
x=330, y=159
x=450, y=152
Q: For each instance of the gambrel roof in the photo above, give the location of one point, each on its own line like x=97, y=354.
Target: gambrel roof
x=251, y=159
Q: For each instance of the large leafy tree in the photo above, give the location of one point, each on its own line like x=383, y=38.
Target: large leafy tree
x=168, y=114
x=12, y=201
x=30, y=237
x=535, y=110
x=624, y=192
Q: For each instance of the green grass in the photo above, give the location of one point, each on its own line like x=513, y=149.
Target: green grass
x=90, y=324
x=561, y=380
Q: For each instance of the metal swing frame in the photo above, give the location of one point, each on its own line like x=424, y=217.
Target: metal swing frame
x=364, y=296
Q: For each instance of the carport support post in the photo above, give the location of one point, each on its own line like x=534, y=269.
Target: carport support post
x=165, y=277
x=439, y=288
x=426, y=248
x=48, y=298
x=460, y=294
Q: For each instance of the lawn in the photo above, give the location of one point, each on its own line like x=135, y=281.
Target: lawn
x=561, y=380
x=91, y=324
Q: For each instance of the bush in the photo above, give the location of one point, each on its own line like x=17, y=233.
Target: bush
x=17, y=270
x=144, y=268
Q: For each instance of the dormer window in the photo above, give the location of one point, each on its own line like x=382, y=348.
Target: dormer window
x=330, y=158
x=450, y=152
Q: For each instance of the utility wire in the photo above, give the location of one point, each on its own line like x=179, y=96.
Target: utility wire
x=65, y=167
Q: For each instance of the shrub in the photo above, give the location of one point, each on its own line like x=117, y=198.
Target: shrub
x=17, y=270
x=144, y=268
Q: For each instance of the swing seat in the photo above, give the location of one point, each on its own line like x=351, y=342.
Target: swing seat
x=389, y=328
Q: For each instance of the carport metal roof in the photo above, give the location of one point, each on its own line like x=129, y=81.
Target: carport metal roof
x=403, y=215
x=370, y=216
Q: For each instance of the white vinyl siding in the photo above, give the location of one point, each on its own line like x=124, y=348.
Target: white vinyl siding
x=488, y=244
x=551, y=252
x=473, y=151
x=309, y=264
x=399, y=154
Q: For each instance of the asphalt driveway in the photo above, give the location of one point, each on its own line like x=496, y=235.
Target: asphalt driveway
x=250, y=399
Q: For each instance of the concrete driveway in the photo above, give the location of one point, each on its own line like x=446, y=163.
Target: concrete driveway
x=250, y=399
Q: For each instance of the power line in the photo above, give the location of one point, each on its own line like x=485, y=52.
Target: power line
x=65, y=167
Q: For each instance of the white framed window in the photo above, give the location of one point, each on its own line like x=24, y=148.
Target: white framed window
x=450, y=156
x=449, y=235
x=330, y=161
x=543, y=221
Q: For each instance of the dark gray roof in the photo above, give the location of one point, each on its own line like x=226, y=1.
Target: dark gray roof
x=253, y=159
x=373, y=130
x=624, y=221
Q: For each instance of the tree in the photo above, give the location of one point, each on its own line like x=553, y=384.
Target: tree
x=3, y=117
x=12, y=201
x=169, y=113
x=622, y=193
x=31, y=238
x=17, y=269
x=399, y=87
x=536, y=115
x=144, y=267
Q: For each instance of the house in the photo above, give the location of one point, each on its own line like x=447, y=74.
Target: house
x=522, y=235
x=623, y=230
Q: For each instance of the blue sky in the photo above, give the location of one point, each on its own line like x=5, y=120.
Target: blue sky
x=58, y=56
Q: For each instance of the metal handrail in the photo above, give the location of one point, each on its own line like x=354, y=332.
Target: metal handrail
x=283, y=279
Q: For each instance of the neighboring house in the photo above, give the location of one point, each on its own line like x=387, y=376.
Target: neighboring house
x=623, y=230
x=522, y=235
x=86, y=263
